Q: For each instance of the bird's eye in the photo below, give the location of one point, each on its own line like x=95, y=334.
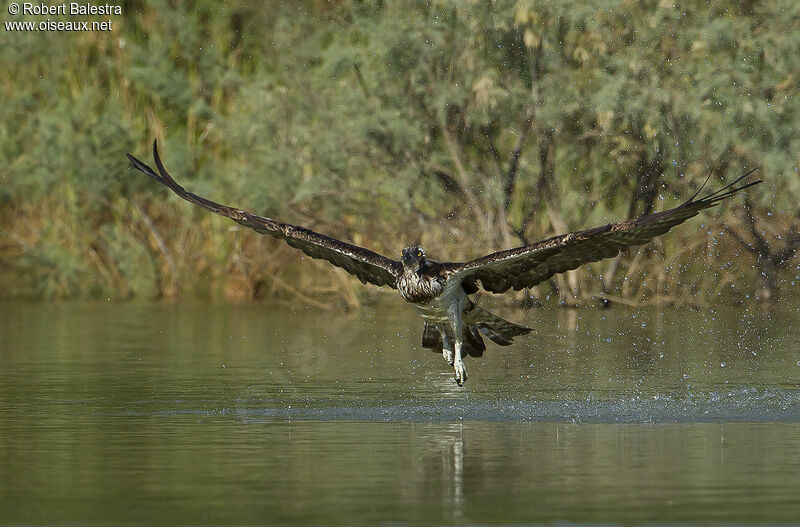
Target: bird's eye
x=419, y=253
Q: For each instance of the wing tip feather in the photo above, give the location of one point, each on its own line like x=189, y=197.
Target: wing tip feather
x=143, y=168
x=727, y=190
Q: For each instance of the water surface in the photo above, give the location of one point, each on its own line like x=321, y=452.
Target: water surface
x=255, y=414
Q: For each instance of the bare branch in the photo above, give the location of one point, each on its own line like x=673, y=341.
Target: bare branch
x=162, y=247
x=789, y=250
x=739, y=238
x=513, y=165
x=495, y=155
x=760, y=243
x=455, y=154
x=361, y=82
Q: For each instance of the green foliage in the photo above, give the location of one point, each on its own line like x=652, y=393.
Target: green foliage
x=387, y=123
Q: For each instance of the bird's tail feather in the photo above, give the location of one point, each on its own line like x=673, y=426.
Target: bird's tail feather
x=473, y=343
x=499, y=330
x=431, y=338
x=478, y=322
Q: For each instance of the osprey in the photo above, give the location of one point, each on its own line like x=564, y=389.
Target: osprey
x=439, y=291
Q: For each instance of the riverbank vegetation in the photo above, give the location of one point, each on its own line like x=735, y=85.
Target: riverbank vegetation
x=466, y=126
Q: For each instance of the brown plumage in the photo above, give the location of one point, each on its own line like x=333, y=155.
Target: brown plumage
x=366, y=265
x=527, y=266
x=439, y=291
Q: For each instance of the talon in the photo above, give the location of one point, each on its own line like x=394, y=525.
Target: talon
x=448, y=356
x=460, y=373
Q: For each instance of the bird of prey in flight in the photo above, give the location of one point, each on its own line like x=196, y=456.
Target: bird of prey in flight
x=439, y=291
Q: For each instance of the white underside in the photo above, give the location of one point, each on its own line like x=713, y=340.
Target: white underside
x=444, y=312
x=436, y=311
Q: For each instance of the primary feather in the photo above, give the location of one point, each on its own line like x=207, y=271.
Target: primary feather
x=530, y=265
x=366, y=265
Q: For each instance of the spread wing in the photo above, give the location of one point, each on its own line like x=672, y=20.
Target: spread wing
x=529, y=265
x=368, y=266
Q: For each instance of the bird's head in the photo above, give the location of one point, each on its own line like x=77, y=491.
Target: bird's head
x=413, y=257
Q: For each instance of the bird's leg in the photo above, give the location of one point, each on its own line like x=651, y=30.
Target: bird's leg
x=454, y=314
x=458, y=365
x=447, y=349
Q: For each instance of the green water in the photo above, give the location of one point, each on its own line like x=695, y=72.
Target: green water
x=252, y=415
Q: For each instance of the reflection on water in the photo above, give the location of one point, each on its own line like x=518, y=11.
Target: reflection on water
x=254, y=414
